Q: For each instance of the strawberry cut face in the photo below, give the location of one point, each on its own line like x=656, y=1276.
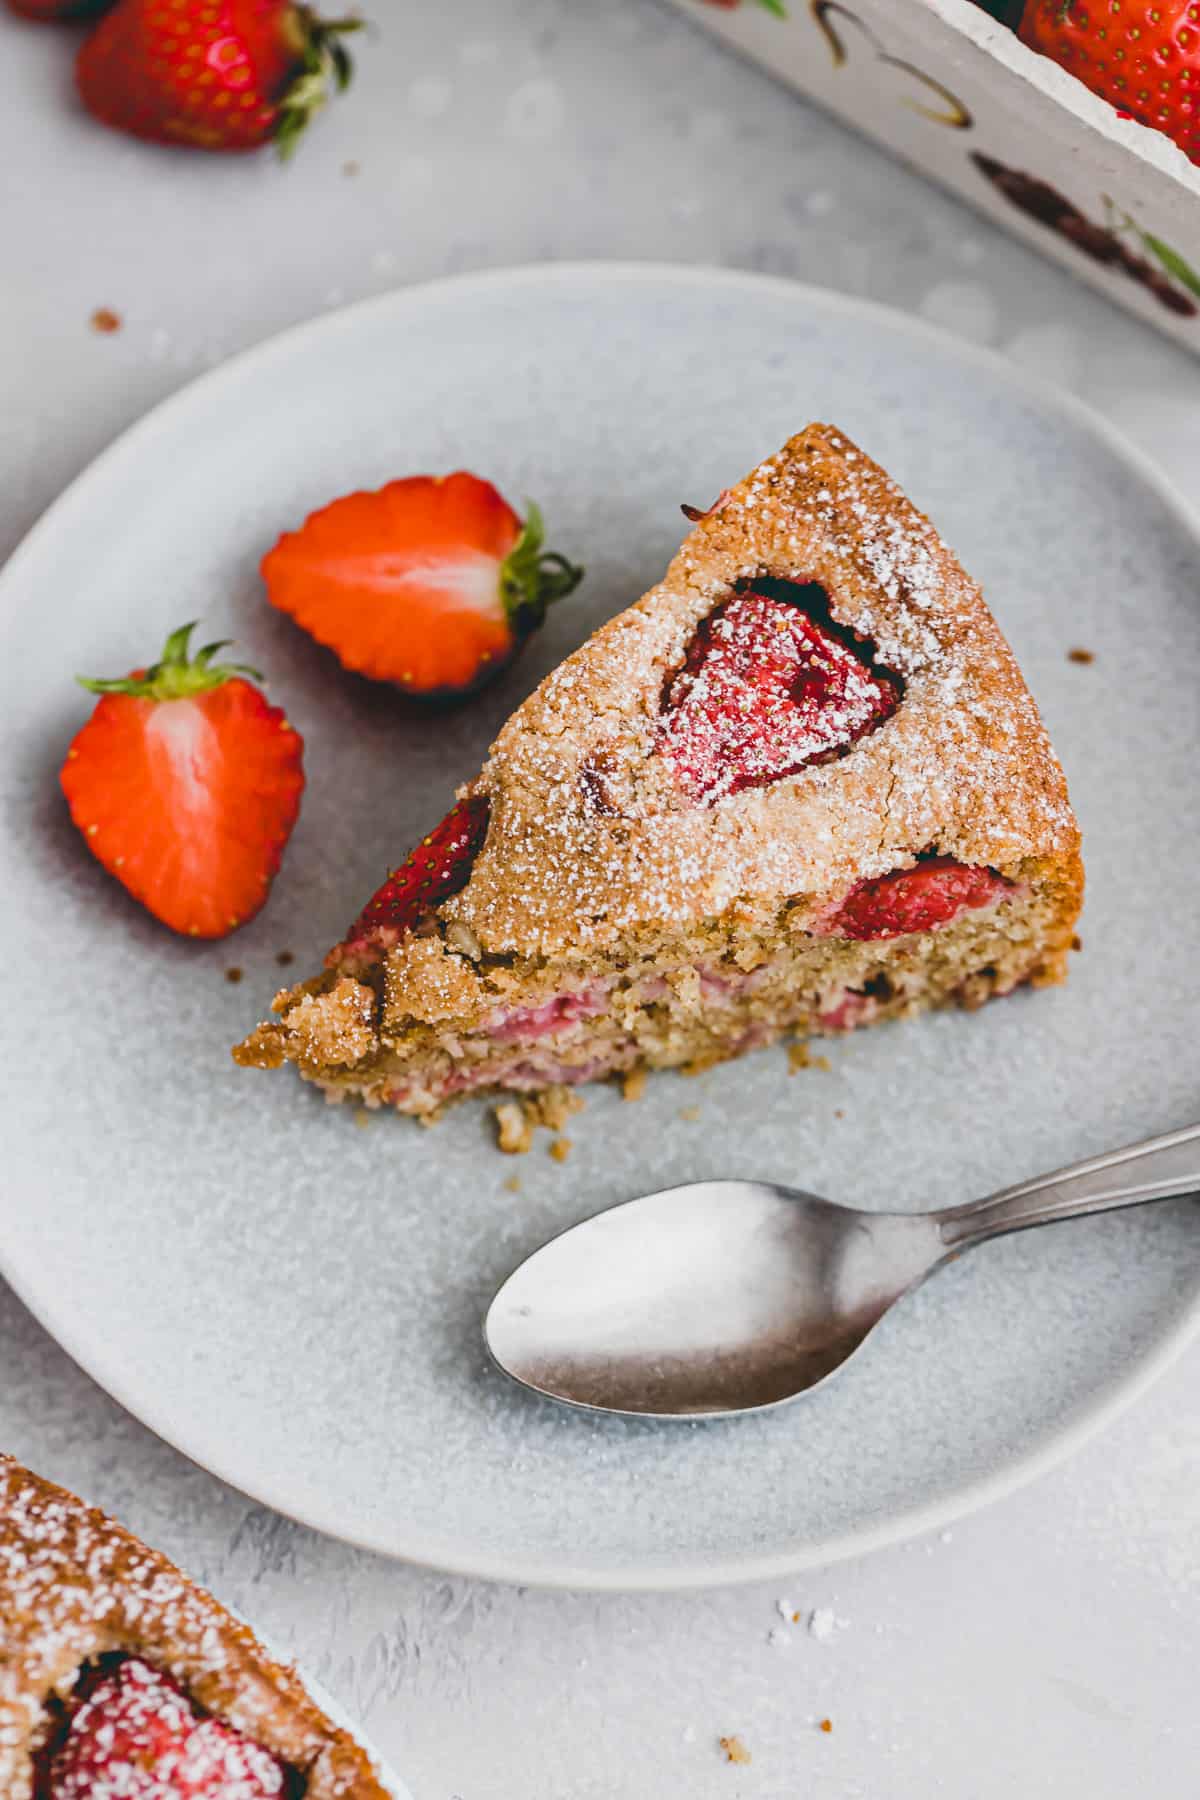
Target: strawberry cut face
x=431, y=582
x=769, y=685
x=131, y=1730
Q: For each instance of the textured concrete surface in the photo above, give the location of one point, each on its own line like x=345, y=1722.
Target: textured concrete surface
x=1048, y=1645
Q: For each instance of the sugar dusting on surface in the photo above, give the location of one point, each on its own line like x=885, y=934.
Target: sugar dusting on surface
x=74, y=1586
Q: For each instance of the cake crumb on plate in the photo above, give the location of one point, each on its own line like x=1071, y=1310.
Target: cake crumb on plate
x=518, y=1120
x=515, y=1130
x=735, y=1750
x=560, y=1149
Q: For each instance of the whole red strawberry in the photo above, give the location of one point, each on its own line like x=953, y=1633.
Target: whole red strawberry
x=438, y=867
x=432, y=582
x=186, y=785
x=1144, y=59
x=135, y=1733
x=225, y=75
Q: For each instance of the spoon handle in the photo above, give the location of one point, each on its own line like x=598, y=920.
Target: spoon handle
x=1158, y=1169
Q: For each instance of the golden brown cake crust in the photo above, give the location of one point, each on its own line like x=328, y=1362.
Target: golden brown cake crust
x=75, y=1585
x=589, y=834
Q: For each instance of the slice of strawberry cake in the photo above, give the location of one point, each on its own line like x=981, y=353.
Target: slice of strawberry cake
x=799, y=787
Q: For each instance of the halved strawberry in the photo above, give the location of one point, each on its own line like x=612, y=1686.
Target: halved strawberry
x=438, y=867
x=186, y=784
x=135, y=1733
x=432, y=582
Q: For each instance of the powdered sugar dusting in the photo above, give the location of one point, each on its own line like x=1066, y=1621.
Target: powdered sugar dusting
x=764, y=691
x=591, y=833
x=135, y=1736
x=75, y=1587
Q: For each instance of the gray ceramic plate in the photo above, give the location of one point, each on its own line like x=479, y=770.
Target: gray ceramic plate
x=295, y=1302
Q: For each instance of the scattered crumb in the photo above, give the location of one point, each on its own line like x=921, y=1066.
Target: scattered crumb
x=105, y=320
x=735, y=1750
x=824, y=1724
x=822, y=1623
x=1077, y=942
x=800, y=1058
x=690, y=1113
x=786, y=1611
x=822, y=1062
x=513, y=1184
x=362, y=1117
x=560, y=1149
x=284, y=958
x=514, y=1130
x=517, y=1120
x=234, y=975
x=553, y=1107
x=838, y=1113
x=1078, y=655
x=633, y=1084
x=351, y=167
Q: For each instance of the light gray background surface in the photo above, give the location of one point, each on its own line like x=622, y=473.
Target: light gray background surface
x=1046, y=1647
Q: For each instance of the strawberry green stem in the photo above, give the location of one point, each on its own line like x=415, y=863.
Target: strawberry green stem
x=174, y=676
x=532, y=578
x=325, y=66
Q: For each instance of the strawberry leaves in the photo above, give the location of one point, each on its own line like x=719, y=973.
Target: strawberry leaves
x=175, y=676
x=532, y=578
x=326, y=67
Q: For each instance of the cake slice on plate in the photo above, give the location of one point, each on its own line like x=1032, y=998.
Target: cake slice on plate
x=799, y=787
x=120, y=1677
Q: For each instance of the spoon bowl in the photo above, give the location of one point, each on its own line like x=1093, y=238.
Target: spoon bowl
x=733, y=1296
x=715, y=1297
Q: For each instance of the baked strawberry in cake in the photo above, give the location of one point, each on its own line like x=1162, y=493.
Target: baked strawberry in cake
x=119, y=1677
x=799, y=787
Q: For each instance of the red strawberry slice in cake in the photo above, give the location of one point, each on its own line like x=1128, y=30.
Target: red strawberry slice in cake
x=799, y=787
x=135, y=1734
x=437, y=868
x=765, y=689
x=919, y=899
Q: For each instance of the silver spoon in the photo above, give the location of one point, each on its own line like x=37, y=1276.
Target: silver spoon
x=729, y=1296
